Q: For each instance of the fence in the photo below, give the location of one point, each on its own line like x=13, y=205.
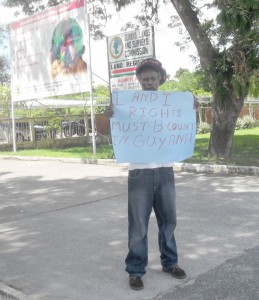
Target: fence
x=61, y=131
x=251, y=109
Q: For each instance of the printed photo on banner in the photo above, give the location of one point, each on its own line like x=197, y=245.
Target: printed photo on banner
x=49, y=53
x=149, y=126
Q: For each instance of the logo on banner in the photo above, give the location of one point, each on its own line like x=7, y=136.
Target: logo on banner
x=116, y=47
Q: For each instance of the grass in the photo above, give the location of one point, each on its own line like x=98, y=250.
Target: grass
x=245, y=150
x=102, y=152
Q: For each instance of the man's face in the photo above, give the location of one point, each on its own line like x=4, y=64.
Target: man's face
x=149, y=79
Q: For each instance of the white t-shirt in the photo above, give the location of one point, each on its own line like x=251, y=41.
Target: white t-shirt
x=149, y=166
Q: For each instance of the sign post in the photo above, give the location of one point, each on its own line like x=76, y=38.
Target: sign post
x=125, y=50
x=50, y=54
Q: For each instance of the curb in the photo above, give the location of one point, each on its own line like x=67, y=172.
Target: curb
x=9, y=293
x=63, y=160
x=180, y=167
x=218, y=169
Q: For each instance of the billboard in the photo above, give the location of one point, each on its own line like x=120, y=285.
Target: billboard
x=49, y=53
x=125, y=50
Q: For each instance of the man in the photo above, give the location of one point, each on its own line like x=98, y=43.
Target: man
x=151, y=186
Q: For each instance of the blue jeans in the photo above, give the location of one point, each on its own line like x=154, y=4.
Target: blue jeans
x=149, y=188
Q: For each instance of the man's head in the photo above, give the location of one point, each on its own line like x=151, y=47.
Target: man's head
x=150, y=74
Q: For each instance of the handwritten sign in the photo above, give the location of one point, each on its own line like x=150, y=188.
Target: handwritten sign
x=152, y=127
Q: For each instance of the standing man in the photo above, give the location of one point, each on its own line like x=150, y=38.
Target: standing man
x=151, y=185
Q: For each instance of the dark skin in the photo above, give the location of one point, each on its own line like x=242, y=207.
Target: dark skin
x=149, y=79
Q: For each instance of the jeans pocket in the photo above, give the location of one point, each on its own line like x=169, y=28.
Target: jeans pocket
x=134, y=174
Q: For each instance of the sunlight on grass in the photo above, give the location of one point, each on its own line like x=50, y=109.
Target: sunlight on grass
x=102, y=152
x=245, y=149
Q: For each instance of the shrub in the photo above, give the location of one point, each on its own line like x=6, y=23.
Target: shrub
x=247, y=122
x=238, y=124
x=203, y=127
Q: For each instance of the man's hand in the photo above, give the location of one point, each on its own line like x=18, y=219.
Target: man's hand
x=109, y=111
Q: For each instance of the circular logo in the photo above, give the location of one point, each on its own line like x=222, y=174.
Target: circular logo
x=116, y=47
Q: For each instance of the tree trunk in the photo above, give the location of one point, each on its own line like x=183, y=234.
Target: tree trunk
x=223, y=127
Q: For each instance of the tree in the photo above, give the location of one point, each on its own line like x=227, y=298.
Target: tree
x=229, y=64
x=229, y=54
x=4, y=71
x=96, y=8
x=5, y=102
x=227, y=46
x=4, y=62
x=194, y=82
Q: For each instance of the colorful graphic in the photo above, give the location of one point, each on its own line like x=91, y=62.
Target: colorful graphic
x=49, y=53
x=116, y=47
x=67, y=49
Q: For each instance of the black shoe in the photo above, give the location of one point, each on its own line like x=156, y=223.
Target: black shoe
x=136, y=283
x=176, y=272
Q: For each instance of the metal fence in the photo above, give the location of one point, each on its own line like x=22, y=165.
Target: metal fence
x=33, y=129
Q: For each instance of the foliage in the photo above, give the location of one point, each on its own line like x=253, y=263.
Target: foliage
x=246, y=122
x=4, y=62
x=4, y=71
x=96, y=8
x=2, y=34
x=193, y=82
x=102, y=94
x=254, y=85
x=203, y=127
x=5, y=105
x=238, y=124
x=53, y=125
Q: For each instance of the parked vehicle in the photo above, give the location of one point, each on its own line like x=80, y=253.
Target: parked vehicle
x=21, y=132
x=77, y=128
x=42, y=132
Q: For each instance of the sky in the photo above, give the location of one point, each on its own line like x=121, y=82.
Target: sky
x=169, y=54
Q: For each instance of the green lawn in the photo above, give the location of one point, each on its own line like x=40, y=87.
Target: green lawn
x=102, y=152
x=245, y=150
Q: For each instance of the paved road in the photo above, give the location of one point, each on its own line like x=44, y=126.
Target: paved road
x=63, y=235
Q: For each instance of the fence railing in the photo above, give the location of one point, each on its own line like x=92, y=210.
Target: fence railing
x=55, y=127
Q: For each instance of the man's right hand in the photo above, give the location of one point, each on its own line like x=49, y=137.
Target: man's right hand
x=109, y=111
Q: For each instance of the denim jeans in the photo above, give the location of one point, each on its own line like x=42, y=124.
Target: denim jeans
x=149, y=188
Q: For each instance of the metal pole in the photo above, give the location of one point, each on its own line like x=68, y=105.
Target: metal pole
x=12, y=90
x=13, y=125
x=91, y=86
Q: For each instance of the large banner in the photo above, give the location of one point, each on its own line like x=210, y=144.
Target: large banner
x=49, y=53
x=152, y=127
x=125, y=50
